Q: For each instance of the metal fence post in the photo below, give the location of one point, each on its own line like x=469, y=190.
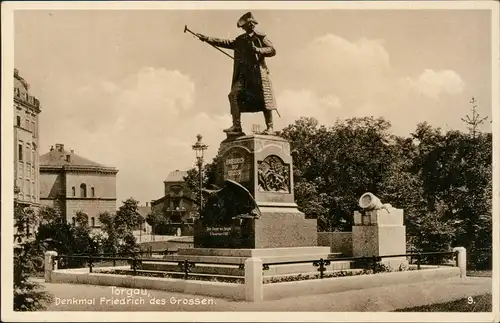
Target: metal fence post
x=114, y=257
x=134, y=263
x=321, y=264
x=90, y=262
x=419, y=259
x=374, y=261
x=186, y=269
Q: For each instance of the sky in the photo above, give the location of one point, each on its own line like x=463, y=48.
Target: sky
x=129, y=89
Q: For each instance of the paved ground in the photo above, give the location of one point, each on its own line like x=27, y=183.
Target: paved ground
x=146, y=237
x=385, y=299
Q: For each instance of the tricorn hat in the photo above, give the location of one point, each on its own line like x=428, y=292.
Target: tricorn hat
x=246, y=18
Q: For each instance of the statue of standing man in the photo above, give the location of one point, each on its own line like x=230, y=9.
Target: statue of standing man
x=251, y=89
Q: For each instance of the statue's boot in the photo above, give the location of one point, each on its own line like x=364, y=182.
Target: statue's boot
x=268, y=115
x=236, y=127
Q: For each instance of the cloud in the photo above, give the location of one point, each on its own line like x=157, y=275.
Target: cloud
x=143, y=124
x=434, y=83
x=357, y=79
x=306, y=103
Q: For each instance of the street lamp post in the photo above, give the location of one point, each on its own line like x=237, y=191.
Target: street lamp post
x=199, y=147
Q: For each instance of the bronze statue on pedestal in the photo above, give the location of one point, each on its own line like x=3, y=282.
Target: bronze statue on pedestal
x=251, y=89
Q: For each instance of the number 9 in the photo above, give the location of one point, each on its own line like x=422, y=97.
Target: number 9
x=470, y=300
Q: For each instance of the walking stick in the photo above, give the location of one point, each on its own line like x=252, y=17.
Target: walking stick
x=196, y=35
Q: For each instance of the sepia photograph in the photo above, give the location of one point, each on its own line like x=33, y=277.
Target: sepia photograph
x=238, y=161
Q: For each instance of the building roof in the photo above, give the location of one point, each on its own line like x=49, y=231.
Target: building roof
x=166, y=197
x=144, y=210
x=176, y=176
x=21, y=91
x=58, y=156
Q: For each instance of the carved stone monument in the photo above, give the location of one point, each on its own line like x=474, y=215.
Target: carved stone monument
x=255, y=207
x=262, y=165
x=379, y=231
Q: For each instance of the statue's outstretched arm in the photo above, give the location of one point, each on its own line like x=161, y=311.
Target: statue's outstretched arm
x=267, y=49
x=224, y=43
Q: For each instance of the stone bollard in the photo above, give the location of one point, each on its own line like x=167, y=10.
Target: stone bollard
x=462, y=260
x=49, y=264
x=254, y=289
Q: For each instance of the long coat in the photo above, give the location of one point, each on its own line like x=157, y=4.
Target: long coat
x=250, y=71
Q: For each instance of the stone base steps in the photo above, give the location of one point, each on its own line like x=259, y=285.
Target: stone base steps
x=222, y=270
x=180, y=275
x=237, y=260
x=248, y=253
x=234, y=279
x=228, y=270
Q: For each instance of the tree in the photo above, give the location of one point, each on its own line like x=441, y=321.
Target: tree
x=107, y=226
x=119, y=227
x=454, y=174
x=210, y=178
x=28, y=295
x=335, y=166
x=128, y=217
x=157, y=221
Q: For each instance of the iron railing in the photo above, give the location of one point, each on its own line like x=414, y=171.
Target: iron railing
x=186, y=265
x=373, y=262
x=135, y=262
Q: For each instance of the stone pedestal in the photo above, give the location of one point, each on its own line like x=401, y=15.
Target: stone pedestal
x=380, y=233
x=263, y=165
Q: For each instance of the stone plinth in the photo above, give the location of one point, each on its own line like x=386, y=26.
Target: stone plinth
x=263, y=165
x=380, y=233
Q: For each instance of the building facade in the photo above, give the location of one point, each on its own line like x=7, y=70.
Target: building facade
x=72, y=183
x=177, y=206
x=26, y=139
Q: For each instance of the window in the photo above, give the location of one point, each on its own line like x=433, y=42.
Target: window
x=33, y=128
x=92, y=191
x=92, y=222
x=83, y=190
x=28, y=153
x=27, y=124
x=73, y=191
x=18, y=121
x=73, y=220
x=20, y=152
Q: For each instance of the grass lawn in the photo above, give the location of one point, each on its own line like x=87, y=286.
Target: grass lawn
x=480, y=303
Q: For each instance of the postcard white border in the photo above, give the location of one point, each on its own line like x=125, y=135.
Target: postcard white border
x=8, y=9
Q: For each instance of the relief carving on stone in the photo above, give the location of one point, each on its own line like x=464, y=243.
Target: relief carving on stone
x=273, y=175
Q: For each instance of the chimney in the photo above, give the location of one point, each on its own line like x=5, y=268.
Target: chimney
x=72, y=151
x=51, y=148
x=59, y=147
x=147, y=204
x=68, y=158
